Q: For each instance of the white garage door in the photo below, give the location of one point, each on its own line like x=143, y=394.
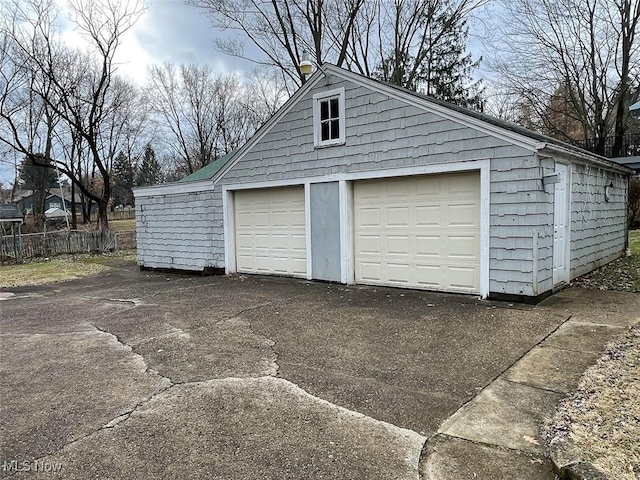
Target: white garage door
x=270, y=231
x=420, y=232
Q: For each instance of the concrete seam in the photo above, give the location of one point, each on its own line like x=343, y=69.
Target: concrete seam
x=499, y=375
x=492, y=445
x=537, y=387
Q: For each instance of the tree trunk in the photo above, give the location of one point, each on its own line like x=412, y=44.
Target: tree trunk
x=74, y=216
x=103, y=221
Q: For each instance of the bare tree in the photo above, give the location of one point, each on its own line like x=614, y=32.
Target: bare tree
x=403, y=41
x=75, y=87
x=203, y=115
x=585, y=49
x=284, y=29
x=418, y=44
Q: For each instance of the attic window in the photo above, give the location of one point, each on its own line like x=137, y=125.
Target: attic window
x=328, y=118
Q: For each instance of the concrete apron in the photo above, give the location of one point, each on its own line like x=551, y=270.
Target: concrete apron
x=136, y=391
x=496, y=435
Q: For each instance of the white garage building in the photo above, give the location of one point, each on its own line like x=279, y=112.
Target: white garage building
x=356, y=181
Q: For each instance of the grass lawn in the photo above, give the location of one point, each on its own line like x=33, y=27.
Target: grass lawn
x=59, y=269
x=634, y=242
x=601, y=419
x=122, y=225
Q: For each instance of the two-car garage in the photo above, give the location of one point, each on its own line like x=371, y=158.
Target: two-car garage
x=419, y=231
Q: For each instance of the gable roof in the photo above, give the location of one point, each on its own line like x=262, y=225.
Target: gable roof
x=208, y=171
x=10, y=213
x=508, y=131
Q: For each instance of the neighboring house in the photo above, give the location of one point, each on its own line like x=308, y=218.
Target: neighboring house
x=24, y=201
x=55, y=213
x=356, y=181
x=10, y=214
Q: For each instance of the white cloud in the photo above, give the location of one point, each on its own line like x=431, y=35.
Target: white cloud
x=169, y=30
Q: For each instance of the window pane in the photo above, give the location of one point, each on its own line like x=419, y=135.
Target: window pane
x=324, y=110
x=335, y=128
x=334, y=108
x=324, y=131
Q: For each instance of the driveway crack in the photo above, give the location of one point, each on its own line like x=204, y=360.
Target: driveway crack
x=272, y=345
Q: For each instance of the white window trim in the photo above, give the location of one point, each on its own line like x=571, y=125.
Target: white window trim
x=317, y=98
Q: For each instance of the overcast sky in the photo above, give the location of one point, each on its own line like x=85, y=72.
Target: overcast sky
x=169, y=30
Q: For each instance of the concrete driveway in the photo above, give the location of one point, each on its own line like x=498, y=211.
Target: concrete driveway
x=144, y=375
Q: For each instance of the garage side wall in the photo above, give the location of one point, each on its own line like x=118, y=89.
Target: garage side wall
x=384, y=133
x=176, y=230
x=521, y=243
x=598, y=227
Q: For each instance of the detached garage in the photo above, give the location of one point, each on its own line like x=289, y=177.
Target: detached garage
x=356, y=181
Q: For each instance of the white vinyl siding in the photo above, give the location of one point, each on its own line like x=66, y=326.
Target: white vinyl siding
x=419, y=232
x=270, y=231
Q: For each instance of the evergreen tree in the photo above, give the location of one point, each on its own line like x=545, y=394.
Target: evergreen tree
x=123, y=176
x=446, y=73
x=40, y=179
x=444, y=70
x=149, y=172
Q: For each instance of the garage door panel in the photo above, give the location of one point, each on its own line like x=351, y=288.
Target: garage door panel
x=427, y=215
x=371, y=271
x=397, y=216
x=463, y=247
x=428, y=246
x=369, y=216
x=270, y=231
x=370, y=244
x=425, y=232
x=462, y=215
x=398, y=245
x=461, y=185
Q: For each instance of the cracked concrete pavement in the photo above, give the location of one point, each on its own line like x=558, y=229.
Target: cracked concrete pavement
x=143, y=375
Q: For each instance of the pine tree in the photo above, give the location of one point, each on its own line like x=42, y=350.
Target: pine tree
x=149, y=172
x=123, y=175
x=445, y=71
x=40, y=179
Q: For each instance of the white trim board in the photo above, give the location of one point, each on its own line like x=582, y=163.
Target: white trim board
x=347, y=270
x=307, y=229
x=364, y=175
x=229, y=232
x=173, y=188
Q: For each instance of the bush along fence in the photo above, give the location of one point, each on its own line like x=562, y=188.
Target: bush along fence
x=48, y=244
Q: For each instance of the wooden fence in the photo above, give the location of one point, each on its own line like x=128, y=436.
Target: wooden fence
x=128, y=214
x=48, y=244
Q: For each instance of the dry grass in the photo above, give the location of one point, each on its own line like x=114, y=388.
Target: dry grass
x=634, y=242
x=622, y=274
x=61, y=268
x=39, y=273
x=602, y=418
x=122, y=225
